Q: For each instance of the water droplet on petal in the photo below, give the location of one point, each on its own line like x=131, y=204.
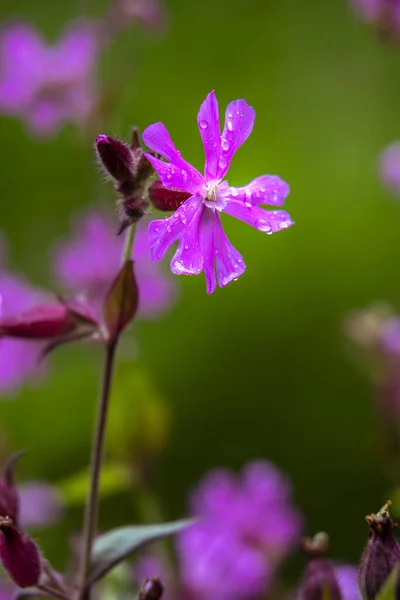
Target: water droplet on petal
x=248, y=204
x=186, y=247
x=263, y=225
x=230, y=125
x=203, y=124
x=234, y=192
x=222, y=162
x=225, y=144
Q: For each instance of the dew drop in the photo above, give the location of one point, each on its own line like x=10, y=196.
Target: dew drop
x=222, y=162
x=186, y=247
x=234, y=192
x=203, y=124
x=225, y=144
x=263, y=225
x=247, y=204
x=230, y=125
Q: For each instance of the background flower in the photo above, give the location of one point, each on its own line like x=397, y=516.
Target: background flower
x=46, y=85
x=86, y=264
x=248, y=526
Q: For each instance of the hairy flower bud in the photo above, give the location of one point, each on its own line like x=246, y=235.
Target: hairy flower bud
x=19, y=555
x=116, y=158
x=164, y=199
x=152, y=589
x=381, y=554
x=319, y=580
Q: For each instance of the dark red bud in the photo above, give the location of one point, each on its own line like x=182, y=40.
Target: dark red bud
x=319, y=580
x=121, y=302
x=152, y=589
x=116, y=158
x=381, y=554
x=164, y=199
x=19, y=555
x=40, y=323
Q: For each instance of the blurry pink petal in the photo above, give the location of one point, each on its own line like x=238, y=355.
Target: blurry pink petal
x=208, y=122
x=164, y=232
x=87, y=263
x=188, y=259
x=76, y=52
x=267, y=189
x=239, y=121
x=269, y=221
x=40, y=504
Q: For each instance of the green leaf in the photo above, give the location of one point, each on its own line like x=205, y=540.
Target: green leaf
x=116, y=545
x=388, y=591
x=115, y=478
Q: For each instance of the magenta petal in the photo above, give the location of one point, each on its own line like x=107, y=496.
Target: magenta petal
x=164, y=232
x=229, y=263
x=76, y=51
x=173, y=177
x=268, y=221
x=239, y=121
x=208, y=122
x=157, y=138
x=207, y=227
x=188, y=259
x=267, y=189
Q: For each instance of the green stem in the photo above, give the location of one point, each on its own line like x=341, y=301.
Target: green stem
x=91, y=509
x=128, y=245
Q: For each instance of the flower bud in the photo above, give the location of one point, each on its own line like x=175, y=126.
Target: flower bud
x=116, y=158
x=381, y=554
x=121, y=302
x=9, y=501
x=19, y=555
x=164, y=199
x=39, y=323
x=319, y=580
x=152, y=589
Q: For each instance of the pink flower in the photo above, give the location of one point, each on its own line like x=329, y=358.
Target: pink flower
x=47, y=85
x=19, y=358
x=196, y=224
x=390, y=167
x=87, y=264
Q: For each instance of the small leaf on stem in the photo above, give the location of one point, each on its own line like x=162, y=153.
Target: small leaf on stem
x=116, y=545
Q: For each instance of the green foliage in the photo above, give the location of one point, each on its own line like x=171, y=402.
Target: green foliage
x=388, y=591
x=115, y=546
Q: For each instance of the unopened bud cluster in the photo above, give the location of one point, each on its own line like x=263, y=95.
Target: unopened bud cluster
x=131, y=171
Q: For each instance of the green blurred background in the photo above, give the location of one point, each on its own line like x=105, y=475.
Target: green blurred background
x=261, y=368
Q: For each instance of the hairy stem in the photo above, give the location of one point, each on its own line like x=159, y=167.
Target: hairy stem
x=91, y=509
x=128, y=245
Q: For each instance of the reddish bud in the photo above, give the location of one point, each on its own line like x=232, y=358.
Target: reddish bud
x=121, y=302
x=116, y=158
x=152, y=589
x=19, y=555
x=381, y=554
x=164, y=199
x=48, y=321
x=319, y=580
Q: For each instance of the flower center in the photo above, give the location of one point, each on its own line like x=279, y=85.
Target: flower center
x=212, y=191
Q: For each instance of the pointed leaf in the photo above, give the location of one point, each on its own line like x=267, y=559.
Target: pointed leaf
x=388, y=591
x=121, y=303
x=115, y=546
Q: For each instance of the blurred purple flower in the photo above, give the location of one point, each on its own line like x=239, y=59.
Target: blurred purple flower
x=347, y=578
x=384, y=13
x=40, y=504
x=47, y=85
x=390, y=167
x=7, y=591
x=88, y=262
x=19, y=359
x=196, y=223
x=149, y=13
x=248, y=527
x=390, y=337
